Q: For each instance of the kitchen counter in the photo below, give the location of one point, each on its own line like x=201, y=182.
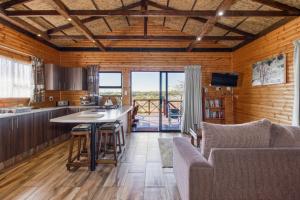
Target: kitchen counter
x=109, y=115
x=44, y=110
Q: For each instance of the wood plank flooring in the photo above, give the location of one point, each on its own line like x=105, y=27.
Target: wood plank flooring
x=138, y=176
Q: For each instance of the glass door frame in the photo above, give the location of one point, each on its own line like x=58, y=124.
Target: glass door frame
x=166, y=95
x=160, y=95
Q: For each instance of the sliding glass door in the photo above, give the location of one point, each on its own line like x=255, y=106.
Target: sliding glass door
x=171, y=96
x=158, y=96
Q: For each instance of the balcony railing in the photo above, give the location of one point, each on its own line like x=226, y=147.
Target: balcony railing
x=150, y=106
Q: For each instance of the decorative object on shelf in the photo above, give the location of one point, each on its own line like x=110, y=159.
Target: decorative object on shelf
x=269, y=71
x=38, y=80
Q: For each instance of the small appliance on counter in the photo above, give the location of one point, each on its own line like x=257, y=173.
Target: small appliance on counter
x=89, y=100
x=62, y=103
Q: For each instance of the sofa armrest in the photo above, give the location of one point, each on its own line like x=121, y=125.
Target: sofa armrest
x=193, y=173
x=256, y=173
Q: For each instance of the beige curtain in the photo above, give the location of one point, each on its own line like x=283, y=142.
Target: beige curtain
x=296, y=108
x=38, y=80
x=192, y=102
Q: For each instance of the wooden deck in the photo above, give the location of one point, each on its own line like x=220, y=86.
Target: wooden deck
x=138, y=176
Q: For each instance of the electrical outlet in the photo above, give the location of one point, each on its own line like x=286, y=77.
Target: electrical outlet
x=51, y=98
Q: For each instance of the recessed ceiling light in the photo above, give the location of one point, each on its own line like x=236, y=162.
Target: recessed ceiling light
x=221, y=13
x=199, y=38
x=69, y=19
x=39, y=35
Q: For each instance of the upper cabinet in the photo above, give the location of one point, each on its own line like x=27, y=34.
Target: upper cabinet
x=65, y=78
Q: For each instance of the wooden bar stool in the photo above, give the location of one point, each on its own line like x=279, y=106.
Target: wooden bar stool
x=122, y=132
x=81, y=133
x=109, y=133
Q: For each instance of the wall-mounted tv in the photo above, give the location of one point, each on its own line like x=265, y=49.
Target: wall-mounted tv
x=224, y=79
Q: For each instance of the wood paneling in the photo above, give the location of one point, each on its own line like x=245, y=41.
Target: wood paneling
x=149, y=61
x=274, y=102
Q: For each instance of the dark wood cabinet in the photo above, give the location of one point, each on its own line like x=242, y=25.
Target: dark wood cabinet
x=24, y=132
x=6, y=130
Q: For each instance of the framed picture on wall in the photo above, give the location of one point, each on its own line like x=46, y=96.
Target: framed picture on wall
x=269, y=71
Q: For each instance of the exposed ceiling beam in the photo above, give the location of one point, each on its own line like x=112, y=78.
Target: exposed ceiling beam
x=204, y=20
x=105, y=21
x=126, y=17
x=153, y=13
x=209, y=25
x=90, y=19
x=69, y=25
x=278, y=5
x=11, y=3
x=164, y=22
x=24, y=25
x=186, y=20
x=148, y=37
x=64, y=11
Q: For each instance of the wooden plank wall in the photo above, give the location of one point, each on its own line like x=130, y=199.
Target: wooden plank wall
x=274, y=102
x=18, y=42
x=146, y=61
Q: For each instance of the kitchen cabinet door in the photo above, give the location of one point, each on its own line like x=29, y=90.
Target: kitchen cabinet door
x=40, y=128
x=6, y=129
x=57, y=129
x=23, y=133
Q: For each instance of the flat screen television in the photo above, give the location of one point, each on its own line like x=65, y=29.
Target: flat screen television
x=224, y=79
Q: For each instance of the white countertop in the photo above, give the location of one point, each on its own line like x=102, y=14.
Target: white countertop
x=109, y=115
x=43, y=110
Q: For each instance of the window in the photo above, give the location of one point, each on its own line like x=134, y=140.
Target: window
x=110, y=83
x=15, y=79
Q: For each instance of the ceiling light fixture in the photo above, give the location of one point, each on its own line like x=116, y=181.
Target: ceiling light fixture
x=199, y=38
x=69, y=19
x=221, y=13
x=39, y=35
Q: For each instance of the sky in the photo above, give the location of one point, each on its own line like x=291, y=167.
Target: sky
x=142, y=81
x=149, y=81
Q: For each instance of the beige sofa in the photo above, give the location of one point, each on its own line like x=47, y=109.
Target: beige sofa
x=264, y=170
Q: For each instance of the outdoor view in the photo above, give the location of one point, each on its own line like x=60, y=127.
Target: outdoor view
x=146, y=94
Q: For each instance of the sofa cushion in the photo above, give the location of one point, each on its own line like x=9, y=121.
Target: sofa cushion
x=249, y=135
x=285, y=136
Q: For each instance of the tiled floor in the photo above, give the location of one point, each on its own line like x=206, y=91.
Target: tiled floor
x=138, y=176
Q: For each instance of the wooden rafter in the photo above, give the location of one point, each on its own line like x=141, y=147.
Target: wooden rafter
x=148, y=37
x=204, y=20
x=105, y=21
x=209, y=25
x=24, y=25
x=153, y=13
x=168, y=3
x=126, y=17
x=186, y=20
x=90, y=19
x=11, y=3
x=278, y=5
x=64, y=11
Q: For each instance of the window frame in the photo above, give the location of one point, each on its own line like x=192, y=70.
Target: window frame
x=111, y=87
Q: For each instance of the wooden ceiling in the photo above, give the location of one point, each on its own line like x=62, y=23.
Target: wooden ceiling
x=147, y=25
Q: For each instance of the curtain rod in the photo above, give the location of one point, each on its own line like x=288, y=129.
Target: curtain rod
x=15, y=51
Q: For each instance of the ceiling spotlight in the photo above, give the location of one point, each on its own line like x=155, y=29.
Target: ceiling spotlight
x=221, y=13
x=69, y=19
x=39, y=35
x=199, y=38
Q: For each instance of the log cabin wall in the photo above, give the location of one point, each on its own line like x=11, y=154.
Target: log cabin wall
x=19, y=42
x=274, y=102
x=150, y=61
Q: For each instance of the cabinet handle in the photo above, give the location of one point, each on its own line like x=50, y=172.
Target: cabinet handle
x=17, y=123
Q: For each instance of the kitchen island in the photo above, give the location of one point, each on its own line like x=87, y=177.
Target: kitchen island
x=94, y=117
